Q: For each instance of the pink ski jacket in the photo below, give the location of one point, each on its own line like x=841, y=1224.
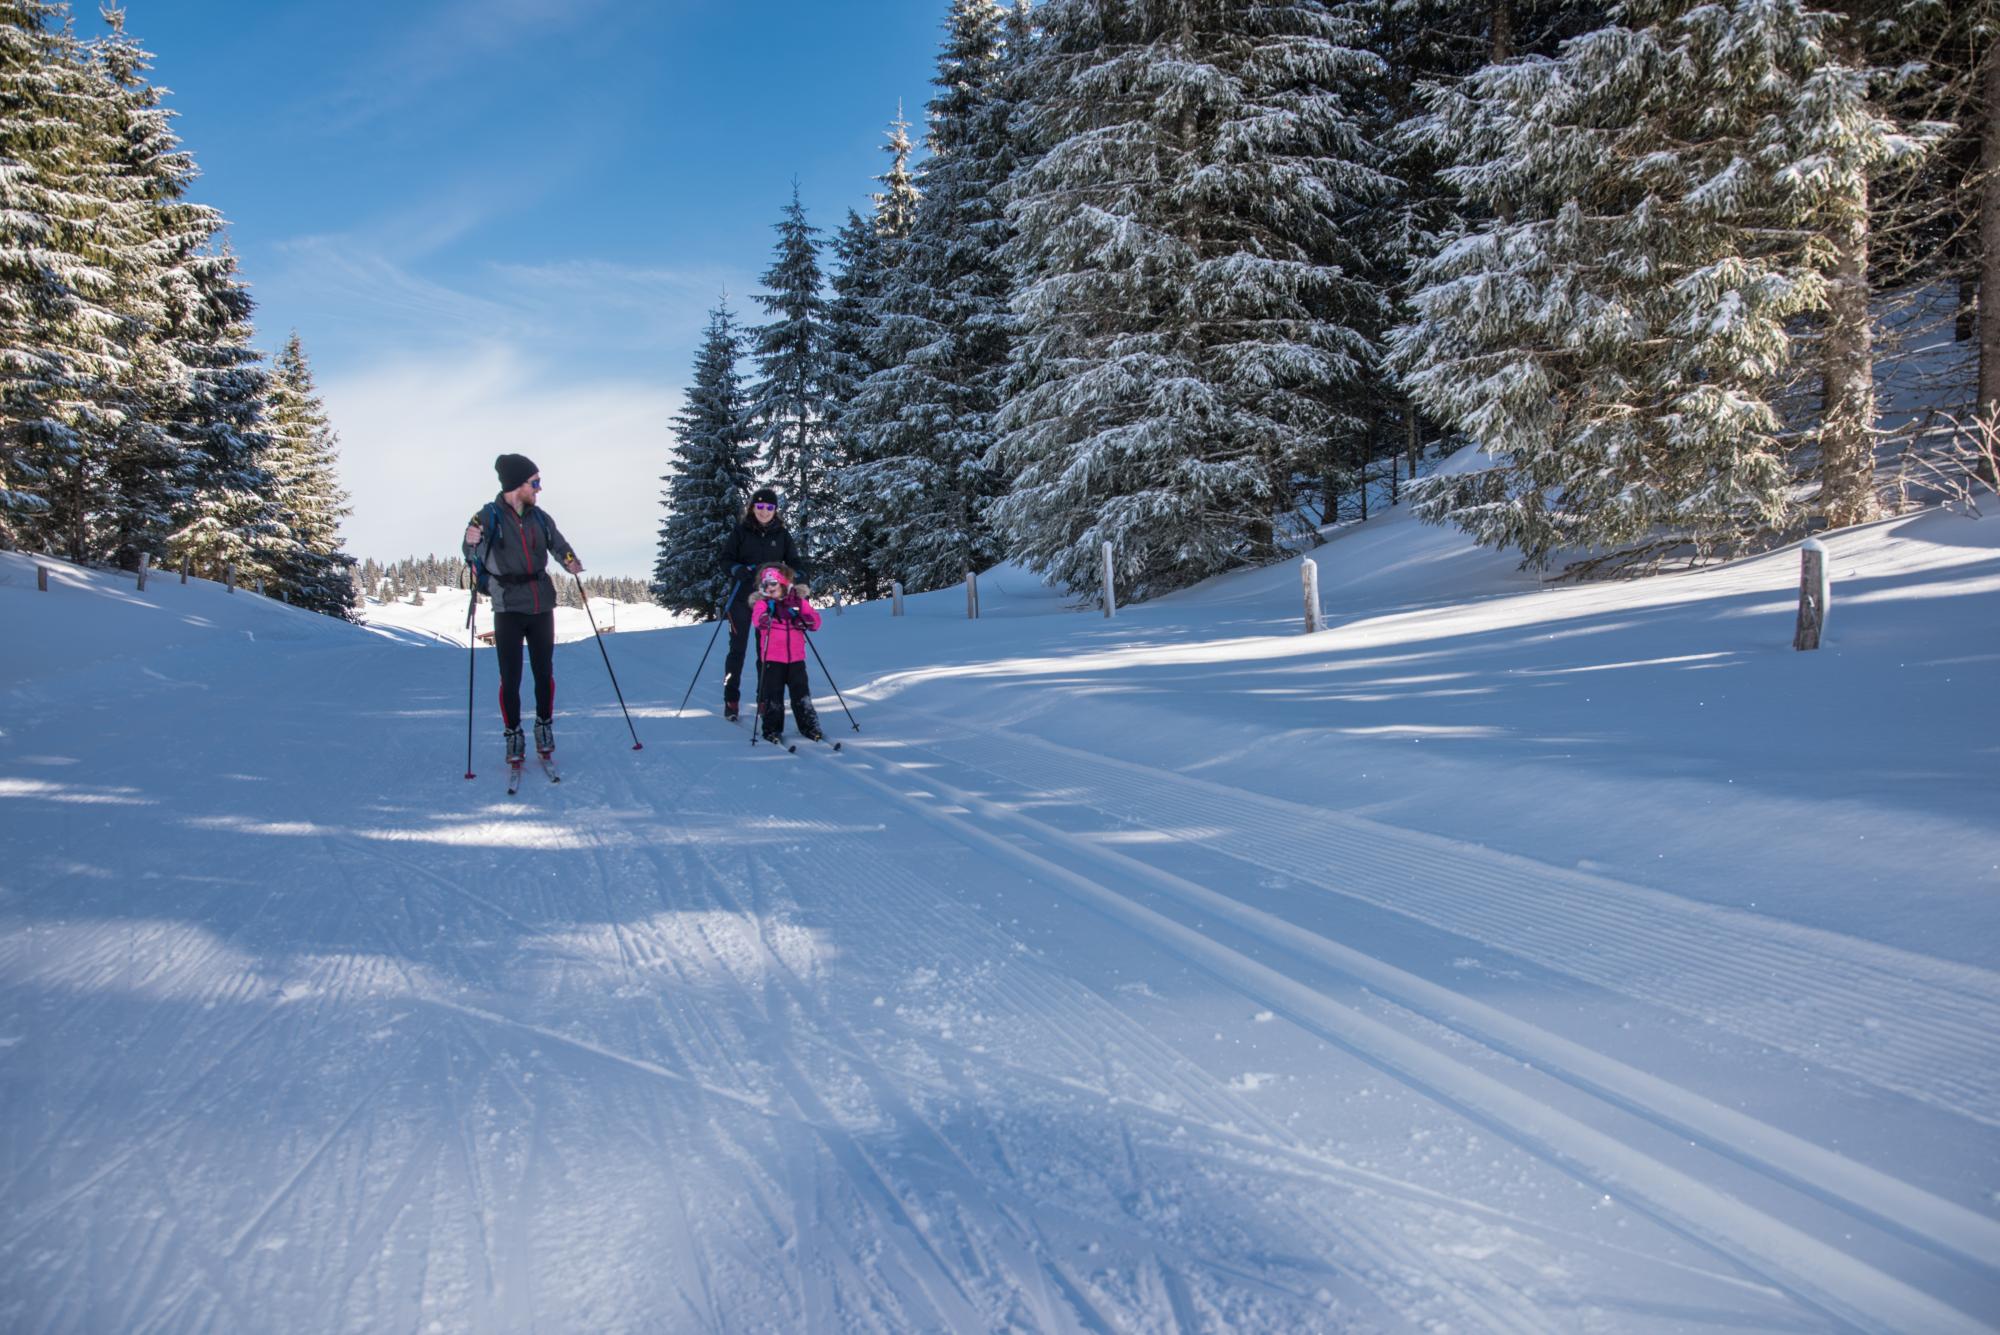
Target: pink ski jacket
x=779, y=639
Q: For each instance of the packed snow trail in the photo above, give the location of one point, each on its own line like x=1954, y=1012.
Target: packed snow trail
x=954, y=1030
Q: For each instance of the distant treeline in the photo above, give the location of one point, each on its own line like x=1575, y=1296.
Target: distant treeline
x=415, y=577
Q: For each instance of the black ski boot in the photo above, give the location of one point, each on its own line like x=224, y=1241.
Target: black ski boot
x=729, y=713
x=545, y=737
x=808, y=720
x=517, y=746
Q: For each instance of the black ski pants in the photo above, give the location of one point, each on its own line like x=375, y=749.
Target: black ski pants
x=537, y=631
x=739, y=646
x=771, y=696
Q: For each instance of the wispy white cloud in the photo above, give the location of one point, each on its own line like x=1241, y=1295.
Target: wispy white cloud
x=451, y=40
x=419, y=434
x=586, y=309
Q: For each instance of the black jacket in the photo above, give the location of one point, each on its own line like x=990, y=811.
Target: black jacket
x=516, y=553
x=753, y=546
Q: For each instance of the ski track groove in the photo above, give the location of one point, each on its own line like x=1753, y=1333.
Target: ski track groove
x=1718, y=965
x=1941, y=1226
x=908, y=925
x=942, y=1286
x=215, y=1270
x=988, y=1237
x=233, y=1248
x=1814, y=1272
x=35, y=1217
x=1306, y=1164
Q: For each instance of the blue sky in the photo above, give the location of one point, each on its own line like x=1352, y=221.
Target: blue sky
x=499, y=224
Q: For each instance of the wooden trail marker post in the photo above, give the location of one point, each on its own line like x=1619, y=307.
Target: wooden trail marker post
x=184, y=568
x=1309, y=576
x=145, y=564
x=1110, y=588
x=42, y=578
x=229, y=577
x=1815, y=592
x=895, y=597
x=971, y=596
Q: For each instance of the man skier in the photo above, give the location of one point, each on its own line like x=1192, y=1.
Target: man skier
x=510, y=542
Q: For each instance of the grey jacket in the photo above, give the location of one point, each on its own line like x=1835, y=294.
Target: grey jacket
x=517, y=553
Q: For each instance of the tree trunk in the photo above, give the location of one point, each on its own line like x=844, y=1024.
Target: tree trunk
x=1501, y=30
x=1847, y=442
x=1989, y=251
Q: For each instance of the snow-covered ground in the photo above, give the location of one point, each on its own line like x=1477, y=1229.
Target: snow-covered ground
x=1502, y=958
x=442, y=614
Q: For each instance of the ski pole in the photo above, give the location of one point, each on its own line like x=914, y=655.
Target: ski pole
x=757, y=715
x=829, y=678
x=722, y=615
x=637, y=745
x=471, y=667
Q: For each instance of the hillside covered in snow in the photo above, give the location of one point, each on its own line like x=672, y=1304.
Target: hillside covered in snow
x=1503, y=957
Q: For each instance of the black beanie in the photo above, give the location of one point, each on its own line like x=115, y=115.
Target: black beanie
x=514, y=469
x=764, y=494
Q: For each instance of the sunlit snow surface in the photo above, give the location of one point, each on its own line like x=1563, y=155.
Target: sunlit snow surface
x=1502, y=958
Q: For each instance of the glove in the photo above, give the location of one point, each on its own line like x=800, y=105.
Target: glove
x=738, y=571
x=802, y=589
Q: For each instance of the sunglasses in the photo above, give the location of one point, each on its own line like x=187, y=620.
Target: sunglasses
x=535, y=482
x=761, y=505
x=772, y=584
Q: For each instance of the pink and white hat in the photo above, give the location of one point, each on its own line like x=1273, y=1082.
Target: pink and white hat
x=773, y=574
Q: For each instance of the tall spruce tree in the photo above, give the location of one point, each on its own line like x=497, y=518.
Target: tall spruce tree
x=1195, y=320
x=1665, y=197
x=851, y=546
x=924, y=421
x=897, y=201
x=788, y=400
x=1426, y=43
x=853, y=558
x=303, y=461
x=150, y=474
x=709, y=478
x=1939, y=225
x=218, y=413
x=72, y=267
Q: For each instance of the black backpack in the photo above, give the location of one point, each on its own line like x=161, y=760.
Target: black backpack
x=489, y=524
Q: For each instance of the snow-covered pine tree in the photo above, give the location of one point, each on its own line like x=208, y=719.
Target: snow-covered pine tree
x=1193, y=317
x=850, y=555
x=149, y=475
x=68, y=264
x=924, y=422
x=788, y=399
x=708, y=481
x=1663, y=196
x=1939, y=225
x=853, y=557
x=896, y=203
x=219, y=417
x=1427, y=42
x=303, y=460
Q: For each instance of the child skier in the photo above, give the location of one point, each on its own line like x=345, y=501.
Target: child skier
x=781, y=617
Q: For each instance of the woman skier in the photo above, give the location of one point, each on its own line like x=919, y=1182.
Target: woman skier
x=758, y=540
